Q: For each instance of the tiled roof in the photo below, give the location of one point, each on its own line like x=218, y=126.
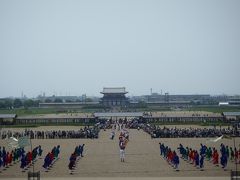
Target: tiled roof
x=8, y=115
x=231, y=113
x=119, y=114
x=114, y=90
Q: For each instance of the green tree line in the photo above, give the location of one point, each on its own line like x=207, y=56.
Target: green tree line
x=18, y=103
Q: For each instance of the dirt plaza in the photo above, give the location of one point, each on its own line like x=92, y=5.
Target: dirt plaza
x=101, y=157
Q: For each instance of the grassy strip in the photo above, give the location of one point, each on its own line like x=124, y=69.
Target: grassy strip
x=20, y=126
x=34, y=111
x=216, y=109
x=31, y=111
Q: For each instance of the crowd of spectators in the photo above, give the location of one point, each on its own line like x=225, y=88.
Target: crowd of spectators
x=86, y=132
x=167, y=132
x=158, y=131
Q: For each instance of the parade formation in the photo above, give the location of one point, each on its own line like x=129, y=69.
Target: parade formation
x=209, y=153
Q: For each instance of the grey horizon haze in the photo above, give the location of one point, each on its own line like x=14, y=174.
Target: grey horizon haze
x=71, y=47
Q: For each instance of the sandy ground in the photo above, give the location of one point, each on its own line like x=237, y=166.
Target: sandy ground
x=125, y=178
x=101, y=158
x=154, y=114
x=58, y=115
x=56, y=128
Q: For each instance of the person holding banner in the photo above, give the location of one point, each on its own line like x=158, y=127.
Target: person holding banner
x=122, y=146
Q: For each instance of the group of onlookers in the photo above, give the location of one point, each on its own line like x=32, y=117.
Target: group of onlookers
x=86, y=132
x=161, y=131
x=167, y=132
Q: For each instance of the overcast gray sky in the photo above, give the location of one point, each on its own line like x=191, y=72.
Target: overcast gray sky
x=74, y=47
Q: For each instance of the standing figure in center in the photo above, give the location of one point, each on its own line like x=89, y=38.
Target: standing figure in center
x=122, y=146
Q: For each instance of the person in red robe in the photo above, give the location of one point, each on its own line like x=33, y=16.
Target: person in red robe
x=51, y=157
x=215, y=157
x=10, y=158
x=238, y=156
x=7, y=159
x=192, y=156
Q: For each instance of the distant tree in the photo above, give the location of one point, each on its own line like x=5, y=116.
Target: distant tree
x=198, y=103
x=69, y=100
x=8, y=103
x=28, y=103
x=192, y=102
x=78, y=100
x=89, y=100
x=36, y=103
x=2, y=105
x=48, y=101
x=142, y=104
x=17, y=103
x=58, y=100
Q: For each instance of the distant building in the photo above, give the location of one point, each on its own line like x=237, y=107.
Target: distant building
x=114, y=97
x=230, y=103
x=223, y=103
x=155, y=97
x=67, y=105
x=231, y=115
x=6, y=119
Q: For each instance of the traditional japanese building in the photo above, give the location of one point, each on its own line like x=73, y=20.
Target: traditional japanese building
x=114, y=97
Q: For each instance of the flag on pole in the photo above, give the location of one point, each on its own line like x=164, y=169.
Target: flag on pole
x=24, y=141
x=227, y=137
x=12, y=142
x=219, y=138
x=16, y=143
